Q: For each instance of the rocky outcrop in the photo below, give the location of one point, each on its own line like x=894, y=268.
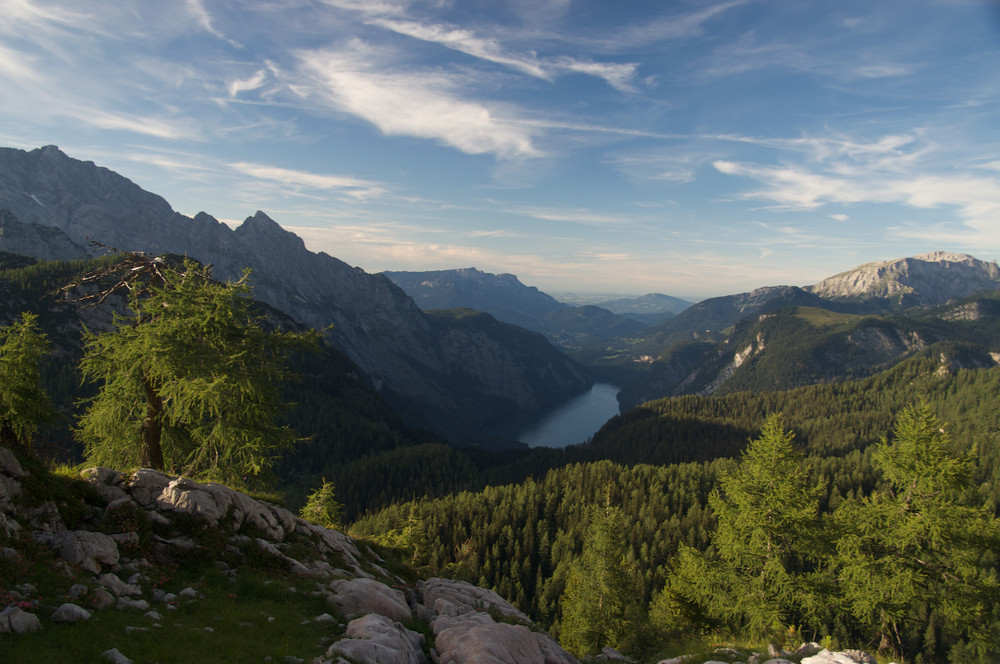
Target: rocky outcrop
x=931, y=278
x=147, y=521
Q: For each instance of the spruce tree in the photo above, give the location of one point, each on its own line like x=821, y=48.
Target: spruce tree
x=24, y=405
x=602, y=596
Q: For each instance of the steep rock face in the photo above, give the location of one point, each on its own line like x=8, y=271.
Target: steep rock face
x=925, y=279
x=42, y=242
x=524, y=370
x=373, y=321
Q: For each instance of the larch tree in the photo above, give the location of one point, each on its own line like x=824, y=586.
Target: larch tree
x=189, y=378
x=754, y=578
x=922, y=543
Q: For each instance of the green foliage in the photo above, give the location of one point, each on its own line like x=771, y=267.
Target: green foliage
x=322, y=507
x=188, y=381
x=24, y=405
x=599, y=605
x=766, y=511
x=917, y=554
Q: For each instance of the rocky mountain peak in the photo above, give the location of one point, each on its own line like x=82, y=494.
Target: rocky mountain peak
x=265, y=232
x=930, y=278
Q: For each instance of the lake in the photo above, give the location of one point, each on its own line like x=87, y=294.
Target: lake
x=573, y=421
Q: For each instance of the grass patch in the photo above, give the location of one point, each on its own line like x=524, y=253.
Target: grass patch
x=245, y=620
x=824, y=317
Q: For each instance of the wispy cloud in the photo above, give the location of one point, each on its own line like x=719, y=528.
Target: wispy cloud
x=427, y=104
x=296, y=180
x=618, y=75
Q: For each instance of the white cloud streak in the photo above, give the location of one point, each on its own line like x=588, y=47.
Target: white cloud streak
x=422, y=104
x=297, y=180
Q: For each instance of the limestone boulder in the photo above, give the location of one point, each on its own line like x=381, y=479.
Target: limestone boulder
x=146, y=485
x=451, y=597
x=356, y=597
x=490, y=643
x=9, y=465
x=374, y=639
x=90, y=550
x=189, y=497
x=15, y=621
x=70, y=613
x=826, y=656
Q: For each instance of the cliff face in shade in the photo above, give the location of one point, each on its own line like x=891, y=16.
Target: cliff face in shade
x=373, y=321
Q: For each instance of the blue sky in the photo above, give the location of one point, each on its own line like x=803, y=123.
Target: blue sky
x=693, y=148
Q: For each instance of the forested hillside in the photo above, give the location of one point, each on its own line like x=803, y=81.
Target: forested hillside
x=660, y=463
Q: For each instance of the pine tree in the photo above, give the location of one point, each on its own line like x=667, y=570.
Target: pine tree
x=189, y=380
x=24, y=406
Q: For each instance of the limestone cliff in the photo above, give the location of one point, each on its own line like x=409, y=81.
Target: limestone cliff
x=931, y=278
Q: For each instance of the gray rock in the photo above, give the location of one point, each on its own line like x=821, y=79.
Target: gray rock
x=9, y=465
x=70, y=613
x=115, y=657
x=117, y=586
x=826, y=656
x=146, y=485
x=353, y=597
x=15, y=621
x=128, y=604
x=374, y=639
x=101, y=599
x=10, y=491
x=451, y=597
x=90, y=550
x=101, y=475
x=78, y=590
x=492, y=643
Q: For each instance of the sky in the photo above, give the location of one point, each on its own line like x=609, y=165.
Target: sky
x=687, y=147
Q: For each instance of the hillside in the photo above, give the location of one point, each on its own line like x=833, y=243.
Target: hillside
x=804, y=345
x=659, y=464
x=145, y=567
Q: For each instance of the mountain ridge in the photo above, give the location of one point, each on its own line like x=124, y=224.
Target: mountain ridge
x=380, y=327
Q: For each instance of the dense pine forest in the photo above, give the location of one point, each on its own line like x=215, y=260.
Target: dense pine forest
x=659, y=465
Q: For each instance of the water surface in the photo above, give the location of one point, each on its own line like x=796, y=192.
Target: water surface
x=573, y=421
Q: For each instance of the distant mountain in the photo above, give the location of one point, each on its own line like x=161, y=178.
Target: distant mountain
x=650, y=308
x=501, y=295
x=506, y=298
x=928, y=279
x=379, y=327
x=801, y=346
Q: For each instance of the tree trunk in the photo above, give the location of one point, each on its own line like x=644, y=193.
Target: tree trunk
x=151, y=454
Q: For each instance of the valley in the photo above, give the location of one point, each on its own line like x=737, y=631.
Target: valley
x=485, y=431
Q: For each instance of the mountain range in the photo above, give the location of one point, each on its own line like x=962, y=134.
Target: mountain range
x=55, y=205
x=417, y=341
